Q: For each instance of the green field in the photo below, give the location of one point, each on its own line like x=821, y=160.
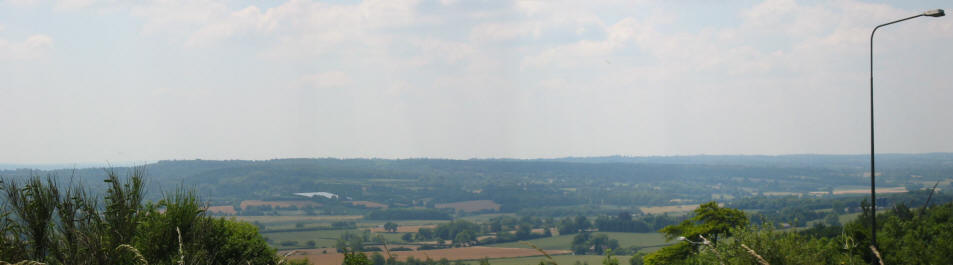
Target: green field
x=565, y=241
x=322, y=238
x=481, y=218
x=291, y=221
x=560, y=259
x=373, y=223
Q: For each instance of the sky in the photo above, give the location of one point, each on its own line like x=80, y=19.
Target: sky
x=106, y=80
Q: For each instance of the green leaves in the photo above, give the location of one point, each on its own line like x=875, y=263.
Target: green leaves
x=43, y=222
x=711, y=221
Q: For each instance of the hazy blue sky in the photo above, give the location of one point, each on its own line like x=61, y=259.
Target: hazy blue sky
x=102, y=80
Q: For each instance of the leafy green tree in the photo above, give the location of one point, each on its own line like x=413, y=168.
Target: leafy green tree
x=424, y=234
x=581, y=223
x=609, y=259
x=42, y=222
x=523, y=231
x=355, y=258
x=709, y=224
x=601, y=242
x=678, y=253
x=34, y=203
x=390, y=227
x=783, y=248
x=832, y=220
x=581, y=243
x=637, y=259
x=235, y=242
x=710, y=221
x=378, y=259
x=464, y=237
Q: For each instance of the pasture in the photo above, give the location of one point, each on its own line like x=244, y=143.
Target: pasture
x=641, y=240
x=322, y=238
x=471, y=206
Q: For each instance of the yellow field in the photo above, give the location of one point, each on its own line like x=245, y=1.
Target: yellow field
x=668, y=209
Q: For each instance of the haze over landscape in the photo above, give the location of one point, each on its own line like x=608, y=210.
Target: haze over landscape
x=153, y=80
x=439, y=132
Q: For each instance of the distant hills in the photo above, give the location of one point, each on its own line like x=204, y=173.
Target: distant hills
x=612, y=180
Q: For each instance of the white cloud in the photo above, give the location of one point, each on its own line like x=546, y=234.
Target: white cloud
x=334, y=79
x=32, y=47
x=22, y=2
x=74, y=4
x=533, y=78
x=297, y=26
x=570, y=55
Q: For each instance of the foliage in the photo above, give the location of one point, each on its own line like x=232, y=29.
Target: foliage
x=458, y=231
x=351, y=241
x=637, y=259
x=573, y=225
x=621, y=223
x=609, y=259
x=586, y=242
x=710, y=221
x=46, y=222
x=906, y=236
x=353, y=258
x=390, y=227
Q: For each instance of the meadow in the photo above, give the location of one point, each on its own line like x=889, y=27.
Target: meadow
x=640, y=240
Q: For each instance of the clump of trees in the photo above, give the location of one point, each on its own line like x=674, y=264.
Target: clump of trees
x=587, y=243
x=621, y=223
x=390, y=227
x=574, y=225
x=44, y=221
x=905, y=236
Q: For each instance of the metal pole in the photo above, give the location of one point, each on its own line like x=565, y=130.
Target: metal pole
x=873, y=172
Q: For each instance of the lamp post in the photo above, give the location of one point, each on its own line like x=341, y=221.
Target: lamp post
x=873, y=194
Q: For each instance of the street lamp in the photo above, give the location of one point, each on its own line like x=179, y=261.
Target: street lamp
x=873, y=194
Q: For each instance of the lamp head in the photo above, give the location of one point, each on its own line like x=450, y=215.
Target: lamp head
x=934, y=13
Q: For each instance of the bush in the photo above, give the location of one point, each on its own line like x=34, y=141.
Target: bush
x=42, y=222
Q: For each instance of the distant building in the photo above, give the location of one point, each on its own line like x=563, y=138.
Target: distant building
x=322, y=194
